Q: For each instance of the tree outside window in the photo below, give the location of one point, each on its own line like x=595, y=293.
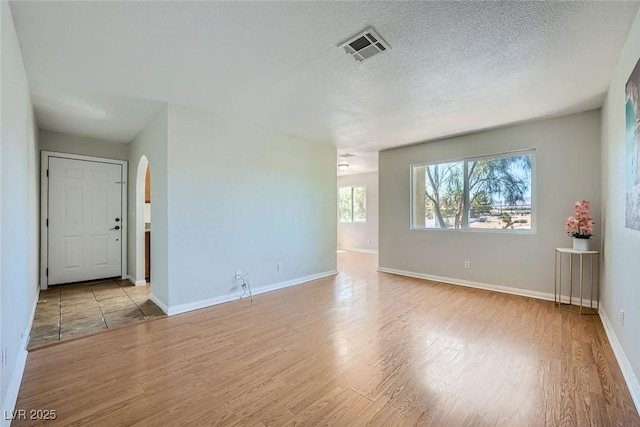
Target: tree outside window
x=352, y=204
x=479, y=193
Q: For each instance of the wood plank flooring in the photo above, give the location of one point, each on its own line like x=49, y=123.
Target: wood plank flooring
x=360, y=348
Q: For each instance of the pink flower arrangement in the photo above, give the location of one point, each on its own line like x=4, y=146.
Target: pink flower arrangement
x=581, y=224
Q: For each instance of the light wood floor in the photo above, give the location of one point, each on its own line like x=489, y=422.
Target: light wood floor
x=356, y=349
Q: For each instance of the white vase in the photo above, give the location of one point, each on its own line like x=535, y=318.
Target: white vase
x=581, y=244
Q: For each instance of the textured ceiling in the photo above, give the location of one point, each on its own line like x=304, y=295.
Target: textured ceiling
x=360, y=162
x=103, y=68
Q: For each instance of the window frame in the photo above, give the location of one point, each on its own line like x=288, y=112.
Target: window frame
x=352, y=187
x=465, y=218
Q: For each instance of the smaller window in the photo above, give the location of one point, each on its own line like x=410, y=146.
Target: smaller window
x=352, y=204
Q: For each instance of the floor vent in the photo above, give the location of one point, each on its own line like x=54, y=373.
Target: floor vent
x=365, y=45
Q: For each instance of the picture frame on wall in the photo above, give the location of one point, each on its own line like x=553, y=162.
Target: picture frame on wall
x=632, y=113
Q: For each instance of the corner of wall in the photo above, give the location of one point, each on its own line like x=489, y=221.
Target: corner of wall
x=19, y=215
x=151, y=142
x=621, y=245
x=239, y=199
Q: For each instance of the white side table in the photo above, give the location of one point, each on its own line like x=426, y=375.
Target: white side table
x=568, y=305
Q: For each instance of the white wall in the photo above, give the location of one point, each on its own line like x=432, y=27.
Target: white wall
x=152, y=143
x=621, y=278
x=358, y=235
x=19, y=214
x=567, y=169
x=244, y=198
x=73, y=144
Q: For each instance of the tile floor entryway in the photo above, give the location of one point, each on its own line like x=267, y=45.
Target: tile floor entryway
x=71, y=311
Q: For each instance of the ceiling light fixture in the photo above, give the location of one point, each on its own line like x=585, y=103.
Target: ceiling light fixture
x=343, y=165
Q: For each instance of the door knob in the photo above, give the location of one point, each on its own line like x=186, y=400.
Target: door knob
x=117, y=219
x=117, y=227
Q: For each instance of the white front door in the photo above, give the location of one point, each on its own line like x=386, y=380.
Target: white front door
x=85, y=220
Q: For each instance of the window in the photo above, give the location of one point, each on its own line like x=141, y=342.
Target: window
x=352, y=204
x=477, y=193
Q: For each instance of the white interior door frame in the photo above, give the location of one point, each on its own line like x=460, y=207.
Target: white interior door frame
x=44, y=208
x=138, y=224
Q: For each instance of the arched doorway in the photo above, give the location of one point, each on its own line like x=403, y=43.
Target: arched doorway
x=143, y=212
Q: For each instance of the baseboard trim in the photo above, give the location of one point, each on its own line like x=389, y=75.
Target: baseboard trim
x=293, y=282
x=136, y=282
x=486, y=286
x=10, y=399
x=196, y=305
x=26, y=337
x=159, y=303
x=627, y=371
x=364, y=251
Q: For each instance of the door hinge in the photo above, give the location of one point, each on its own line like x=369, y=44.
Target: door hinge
x=47, y=222
x=47, y=173
x=47, y=272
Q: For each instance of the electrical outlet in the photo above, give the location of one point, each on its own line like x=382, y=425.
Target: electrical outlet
x=467, y=264
x=622, y=317
x=279, y=266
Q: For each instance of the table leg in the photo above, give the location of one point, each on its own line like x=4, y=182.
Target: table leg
x=598, y=282
x=570, y=278
x=555, y=279
x=580, y=284
x=591, y=282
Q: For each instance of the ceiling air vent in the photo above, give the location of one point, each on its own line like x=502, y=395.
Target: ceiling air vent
x=365, y=45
